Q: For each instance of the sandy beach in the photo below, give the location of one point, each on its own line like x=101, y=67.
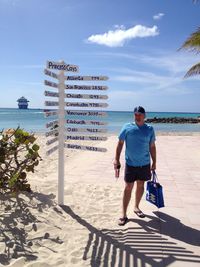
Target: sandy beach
x=84, y=232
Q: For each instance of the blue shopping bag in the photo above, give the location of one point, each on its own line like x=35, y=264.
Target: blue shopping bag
x=154, y=191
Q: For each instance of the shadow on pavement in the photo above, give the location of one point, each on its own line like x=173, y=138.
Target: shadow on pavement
x=138, y=246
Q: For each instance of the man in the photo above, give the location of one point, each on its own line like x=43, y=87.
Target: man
x=140, y=145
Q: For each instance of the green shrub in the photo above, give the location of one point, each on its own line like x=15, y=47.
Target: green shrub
x=19, y=154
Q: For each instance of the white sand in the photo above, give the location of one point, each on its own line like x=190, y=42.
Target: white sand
x=85, y=232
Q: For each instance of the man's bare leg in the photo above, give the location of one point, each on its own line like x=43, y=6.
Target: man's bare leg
x=126, y=198
x=138, y=194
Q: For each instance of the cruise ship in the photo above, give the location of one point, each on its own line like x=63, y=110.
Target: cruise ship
x=22, y=103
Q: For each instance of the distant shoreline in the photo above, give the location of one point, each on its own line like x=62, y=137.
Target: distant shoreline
x=125, y=111
x=34, y=120
x=158, y=133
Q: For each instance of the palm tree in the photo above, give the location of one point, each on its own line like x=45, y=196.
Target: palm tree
x=193, y=44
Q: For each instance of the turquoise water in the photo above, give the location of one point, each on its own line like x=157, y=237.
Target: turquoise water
x=34, y=120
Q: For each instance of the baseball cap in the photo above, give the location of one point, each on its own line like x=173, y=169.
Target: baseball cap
x=139, y=109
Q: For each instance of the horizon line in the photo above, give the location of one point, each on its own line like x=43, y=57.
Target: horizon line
x=198, y=112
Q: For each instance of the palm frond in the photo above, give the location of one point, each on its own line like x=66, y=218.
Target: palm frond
x=193, y=42
x=194, y=70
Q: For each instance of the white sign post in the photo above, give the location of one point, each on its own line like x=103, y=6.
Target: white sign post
x=61, y=138
x=57, y=126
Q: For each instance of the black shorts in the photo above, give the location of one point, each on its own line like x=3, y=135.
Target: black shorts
x=132, y=174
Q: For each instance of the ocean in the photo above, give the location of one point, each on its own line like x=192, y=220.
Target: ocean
x=33, y=120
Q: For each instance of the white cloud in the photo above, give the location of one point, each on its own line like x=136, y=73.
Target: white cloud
x=144, y=78
x=152, y=83
x=173, y=63
x=121, y=27
x=120, y=35
x=158, y=16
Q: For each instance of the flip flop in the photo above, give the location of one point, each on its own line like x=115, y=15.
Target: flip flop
x=139, y=213
x=122, y=221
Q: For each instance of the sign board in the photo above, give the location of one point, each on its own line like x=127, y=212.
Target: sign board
x=62, y=66
x=51, y=141
x=86, y=96
x=82, y=130
x=80, y=122
x=50, y=73
x=49, y=93
x=77, y=104
x=86, y=105
x=86, y=78
x=85, y=137
x=51, y=103
x=51, y=123
x=86, y=122
x=52, y=84
x=79, y=96
x=50, y=133
x=48, y=113
x=85, y=113
x=60, y=130
x=50, y=151
x=85, y=87
x=90, y=148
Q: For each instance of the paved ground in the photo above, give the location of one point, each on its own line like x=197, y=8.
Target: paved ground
x=166, y=237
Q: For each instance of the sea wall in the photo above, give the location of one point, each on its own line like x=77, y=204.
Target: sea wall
x=173, y=120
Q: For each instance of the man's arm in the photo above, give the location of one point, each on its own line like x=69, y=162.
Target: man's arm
x=118, y=152
x=116, y=163
x=153, y=155
x=121, y=138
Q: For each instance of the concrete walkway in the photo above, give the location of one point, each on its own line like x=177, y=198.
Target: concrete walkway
x=166, y=237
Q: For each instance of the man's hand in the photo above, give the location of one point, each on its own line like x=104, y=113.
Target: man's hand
x=153, y=155
x=117, y=167
x=116, y=162
x=153, y=166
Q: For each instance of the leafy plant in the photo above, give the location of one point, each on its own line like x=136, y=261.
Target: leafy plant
x=19, y=154
x=193, y=44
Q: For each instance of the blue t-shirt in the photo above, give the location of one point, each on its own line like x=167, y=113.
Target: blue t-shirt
x=138, y=140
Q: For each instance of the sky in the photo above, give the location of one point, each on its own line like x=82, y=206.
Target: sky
x=134, y=42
